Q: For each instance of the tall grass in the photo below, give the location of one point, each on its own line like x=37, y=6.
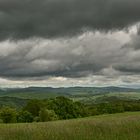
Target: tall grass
x=124, y=126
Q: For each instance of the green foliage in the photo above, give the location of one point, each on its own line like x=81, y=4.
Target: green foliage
x=24, y=116
x=110, y=108
x=36, y=119
x=63, y=108
x=66, y=108
x=8, y=115
x=47, y=115
x=33, y=106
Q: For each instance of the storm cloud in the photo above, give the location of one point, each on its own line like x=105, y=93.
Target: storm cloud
x=131, y=60
x=81, y=56
x=69, y=42
x=23, y=19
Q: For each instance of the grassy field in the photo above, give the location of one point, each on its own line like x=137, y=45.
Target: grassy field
x=123, y=126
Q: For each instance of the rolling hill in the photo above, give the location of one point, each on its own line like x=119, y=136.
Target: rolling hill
x=123, y=126
x=88, y=95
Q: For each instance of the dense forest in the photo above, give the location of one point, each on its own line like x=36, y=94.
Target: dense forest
x=61, y=108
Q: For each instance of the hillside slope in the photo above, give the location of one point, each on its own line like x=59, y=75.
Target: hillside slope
x=124, y=126
x=87, y=95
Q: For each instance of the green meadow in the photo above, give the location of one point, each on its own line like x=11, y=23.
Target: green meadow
x=121, y=126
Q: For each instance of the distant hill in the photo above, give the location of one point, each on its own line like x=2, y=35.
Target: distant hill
x=13, y=102
x=67, y=91
x=83, y=94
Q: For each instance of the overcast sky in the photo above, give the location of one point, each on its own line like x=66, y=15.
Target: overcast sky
x=69, y=43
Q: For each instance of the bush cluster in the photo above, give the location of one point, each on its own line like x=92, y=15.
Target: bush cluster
x=62, y=108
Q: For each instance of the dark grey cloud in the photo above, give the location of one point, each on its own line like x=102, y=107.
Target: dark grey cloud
x=21, y=19
x=130, y=63
x=107, y=56
x=75, y=57
x=38, y=47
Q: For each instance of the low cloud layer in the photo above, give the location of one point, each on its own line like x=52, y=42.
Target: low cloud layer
x=23, y=19
x=81, y=56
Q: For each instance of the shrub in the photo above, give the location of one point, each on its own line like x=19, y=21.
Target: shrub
x=33, y=107
x=25, y=116
x=8, y=115
x=66, y=108
x=47, y=115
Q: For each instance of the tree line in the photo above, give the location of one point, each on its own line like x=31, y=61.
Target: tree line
x=61, y=108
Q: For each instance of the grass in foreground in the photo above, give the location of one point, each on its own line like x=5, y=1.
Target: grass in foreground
x=123, y=126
